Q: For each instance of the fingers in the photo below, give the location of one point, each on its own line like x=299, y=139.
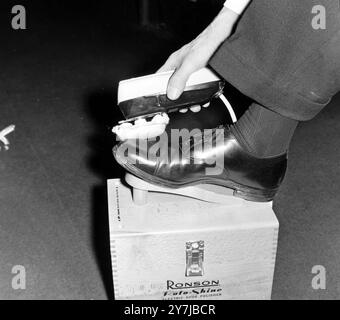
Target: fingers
x=184, y=110
x=196, y=108
x=178, y=80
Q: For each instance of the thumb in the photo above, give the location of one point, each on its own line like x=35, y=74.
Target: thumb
x=178, y=81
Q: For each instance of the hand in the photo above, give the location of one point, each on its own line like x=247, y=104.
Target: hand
x=196, y=54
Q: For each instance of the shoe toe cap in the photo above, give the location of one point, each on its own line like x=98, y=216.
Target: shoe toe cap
x=133, y=158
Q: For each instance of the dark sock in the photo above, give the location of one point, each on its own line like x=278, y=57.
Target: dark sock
x=264, y=133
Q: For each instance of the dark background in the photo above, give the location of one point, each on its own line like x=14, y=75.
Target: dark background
x=58, y=82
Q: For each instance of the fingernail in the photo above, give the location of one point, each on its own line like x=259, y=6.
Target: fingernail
x=173, y=93
x=206, y=105
x=183, y=110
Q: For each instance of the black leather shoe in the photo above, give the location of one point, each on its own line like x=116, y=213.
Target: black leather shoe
x=222, y=161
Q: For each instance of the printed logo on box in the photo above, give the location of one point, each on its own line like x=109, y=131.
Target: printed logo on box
x=192, y=290
x=194, y=268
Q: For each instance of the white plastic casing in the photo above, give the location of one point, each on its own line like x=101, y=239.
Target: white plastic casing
x=157, y=83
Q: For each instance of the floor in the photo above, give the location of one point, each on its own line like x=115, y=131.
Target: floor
x=58, y=82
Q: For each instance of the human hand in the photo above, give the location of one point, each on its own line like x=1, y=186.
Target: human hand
x=196, y=54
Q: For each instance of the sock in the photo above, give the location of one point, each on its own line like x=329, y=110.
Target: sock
x=264, y=133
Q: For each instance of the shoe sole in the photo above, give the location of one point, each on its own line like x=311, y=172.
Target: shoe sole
x=240, y=191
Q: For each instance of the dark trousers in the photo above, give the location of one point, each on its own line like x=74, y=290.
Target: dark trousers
x=281, y=58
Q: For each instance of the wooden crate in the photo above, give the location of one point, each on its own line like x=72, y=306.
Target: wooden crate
x=176, y=248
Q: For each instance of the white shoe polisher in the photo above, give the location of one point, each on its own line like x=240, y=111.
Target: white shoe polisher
x=145, y=97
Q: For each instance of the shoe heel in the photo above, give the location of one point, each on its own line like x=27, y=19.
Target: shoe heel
x=256, y=195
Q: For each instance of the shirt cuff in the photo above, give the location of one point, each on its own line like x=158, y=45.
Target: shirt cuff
x=237, y=6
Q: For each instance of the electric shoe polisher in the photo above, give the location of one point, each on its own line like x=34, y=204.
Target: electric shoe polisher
x=140, y=99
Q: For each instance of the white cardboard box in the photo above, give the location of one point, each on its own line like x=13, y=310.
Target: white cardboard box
x=180, y=248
